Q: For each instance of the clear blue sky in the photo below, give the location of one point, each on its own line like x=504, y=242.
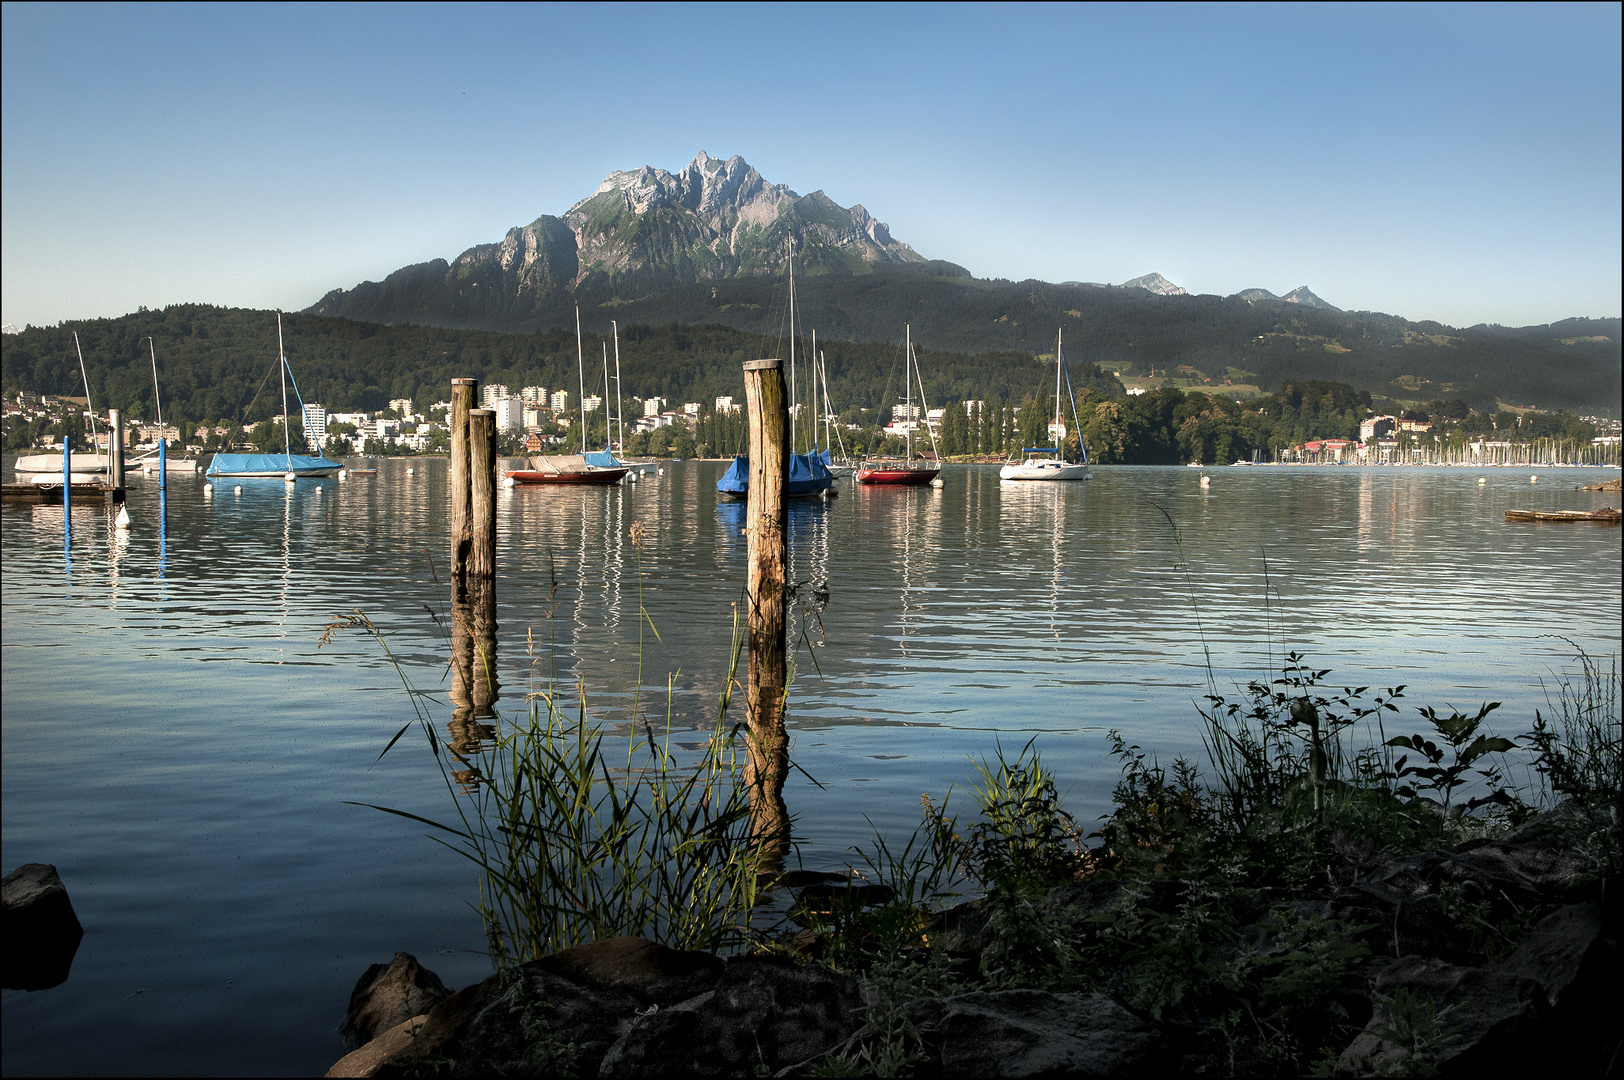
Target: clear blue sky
x=1453, y=162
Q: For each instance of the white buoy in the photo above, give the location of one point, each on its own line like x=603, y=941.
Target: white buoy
x=938, y=483
x=662, y=472
x=342, y=473
x=288, y=478
x=1533, y=479
x=408, y=470
x=237, y=490
x=123, y=519
x=1483, y=479
x=207, y=488
x=508, y=482
x=1206, y=481
x=318, y=491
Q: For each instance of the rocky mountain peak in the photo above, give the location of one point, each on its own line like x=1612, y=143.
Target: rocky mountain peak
x=1155, y=283
x=1301, y=295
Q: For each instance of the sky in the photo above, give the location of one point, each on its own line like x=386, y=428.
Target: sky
x=1458, y=163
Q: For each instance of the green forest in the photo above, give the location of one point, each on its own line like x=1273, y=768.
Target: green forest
x=217, y=366
x=1574, y=364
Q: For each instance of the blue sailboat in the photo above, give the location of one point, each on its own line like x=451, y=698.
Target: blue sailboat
x=287, y=465
x=809, y=473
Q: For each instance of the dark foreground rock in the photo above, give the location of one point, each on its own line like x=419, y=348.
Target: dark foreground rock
x=388, y=995
x=1030, y=1033
x=1548, y=1008
x=41, y=930
x=763, y=1015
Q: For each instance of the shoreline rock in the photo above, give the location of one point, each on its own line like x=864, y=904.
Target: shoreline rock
x=41, y=930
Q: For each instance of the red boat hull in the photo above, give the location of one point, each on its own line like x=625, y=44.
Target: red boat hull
x=905, y=477
x=597, y=476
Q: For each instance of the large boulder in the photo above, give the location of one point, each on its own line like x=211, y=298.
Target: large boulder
x=388, y=995
x=1030, y=1033
x=42, y=932
x=1460, y=1021
x=529, y=1021
x=764, y=1014
x=654, y=974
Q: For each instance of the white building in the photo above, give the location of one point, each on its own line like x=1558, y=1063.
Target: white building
x=561, y=400
x=316, y=423
x=535, y=416
x=509, y=414
x=490, y=395
x=653, y=406
x=725, y=405
x=402, y=405
x=906, y=412
x=591, y=403
x=691, y=408
x=533, y=395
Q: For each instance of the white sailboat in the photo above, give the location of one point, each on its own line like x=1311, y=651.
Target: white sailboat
x=1049, y=462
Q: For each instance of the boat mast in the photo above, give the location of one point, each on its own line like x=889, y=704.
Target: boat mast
x=1059, y=443
x=907, y=387
x=580, y=371
x=606, y=431
x=89, y=409
x=281, y=354
x=793, y=403
x=158, y=404
x=814, y=381
x=620, y=419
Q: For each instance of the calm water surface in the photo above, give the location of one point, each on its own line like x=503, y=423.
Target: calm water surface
x=176, y=742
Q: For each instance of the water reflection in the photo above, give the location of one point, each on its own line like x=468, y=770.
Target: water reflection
x=474, y=683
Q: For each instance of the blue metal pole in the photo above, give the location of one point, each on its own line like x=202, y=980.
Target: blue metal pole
x=163, y=491
x=67, y=491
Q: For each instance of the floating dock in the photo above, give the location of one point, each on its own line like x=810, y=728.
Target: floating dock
x=52, y=493
x=1607, y=515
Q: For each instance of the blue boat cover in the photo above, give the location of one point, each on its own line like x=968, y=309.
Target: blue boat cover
x=238, y=464
x=602, y=459
x=808, y=473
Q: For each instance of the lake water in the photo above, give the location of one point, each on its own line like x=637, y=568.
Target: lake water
x=179, y=746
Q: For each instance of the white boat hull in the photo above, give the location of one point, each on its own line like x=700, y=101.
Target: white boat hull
x=86, y=462
x=1044, y=470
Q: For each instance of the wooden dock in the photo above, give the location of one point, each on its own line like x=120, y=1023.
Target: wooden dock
x=52, y=493
x=1607, y=515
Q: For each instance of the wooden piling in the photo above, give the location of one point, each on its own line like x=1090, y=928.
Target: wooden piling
x=474, y=685
x=482, y=494
x=115, y=449
x=464, y=396
x=766, y=595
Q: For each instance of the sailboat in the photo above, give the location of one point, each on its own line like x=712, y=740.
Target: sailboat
x=152, y=460
x=809, y=474
x=50, y=464
x=287, y=464
x=907, y=472
x=1049, y=462
x=597, y=467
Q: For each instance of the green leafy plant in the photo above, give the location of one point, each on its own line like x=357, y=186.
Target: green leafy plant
x=1457, y=730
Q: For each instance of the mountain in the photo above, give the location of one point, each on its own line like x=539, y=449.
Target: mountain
x=643, y=230
x=705, y=245
x=1300, y=295
x=1154, y=283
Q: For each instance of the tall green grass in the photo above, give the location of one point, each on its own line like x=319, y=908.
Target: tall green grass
x=572, y=846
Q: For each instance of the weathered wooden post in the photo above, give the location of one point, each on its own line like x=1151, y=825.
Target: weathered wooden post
x=464, y=395
x=765, y=597
x=482, y=494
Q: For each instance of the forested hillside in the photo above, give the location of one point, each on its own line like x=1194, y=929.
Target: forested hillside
x=220, y=363
x=1574, y=364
